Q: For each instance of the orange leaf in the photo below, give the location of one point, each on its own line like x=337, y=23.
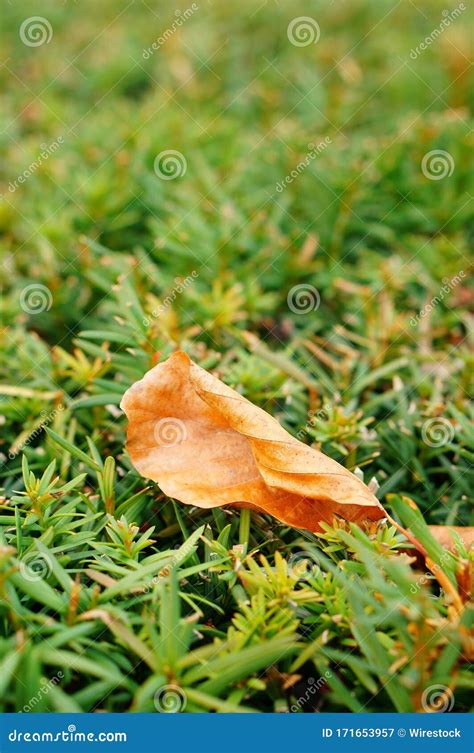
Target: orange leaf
x=443, y=536
x=208, y=446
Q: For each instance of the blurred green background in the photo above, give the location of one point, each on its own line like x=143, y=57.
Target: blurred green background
x=243, y=106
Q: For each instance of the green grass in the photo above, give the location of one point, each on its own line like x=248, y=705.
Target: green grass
x=113, y=596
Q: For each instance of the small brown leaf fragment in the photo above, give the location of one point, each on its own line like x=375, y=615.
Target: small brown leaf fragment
x=464, y=580
x=443, y=535
x=102, y=578
x=208, y=446
x=290, y=680
x=74, y=600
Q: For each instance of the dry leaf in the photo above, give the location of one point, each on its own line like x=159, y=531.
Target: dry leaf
x=208, y=446
x=443, y=536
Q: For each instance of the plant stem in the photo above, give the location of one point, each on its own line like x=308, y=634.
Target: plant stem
x=417, y=544
x=440, y=576
x=244, y=527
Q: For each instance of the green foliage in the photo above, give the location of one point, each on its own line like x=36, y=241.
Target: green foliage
x=121, y=618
